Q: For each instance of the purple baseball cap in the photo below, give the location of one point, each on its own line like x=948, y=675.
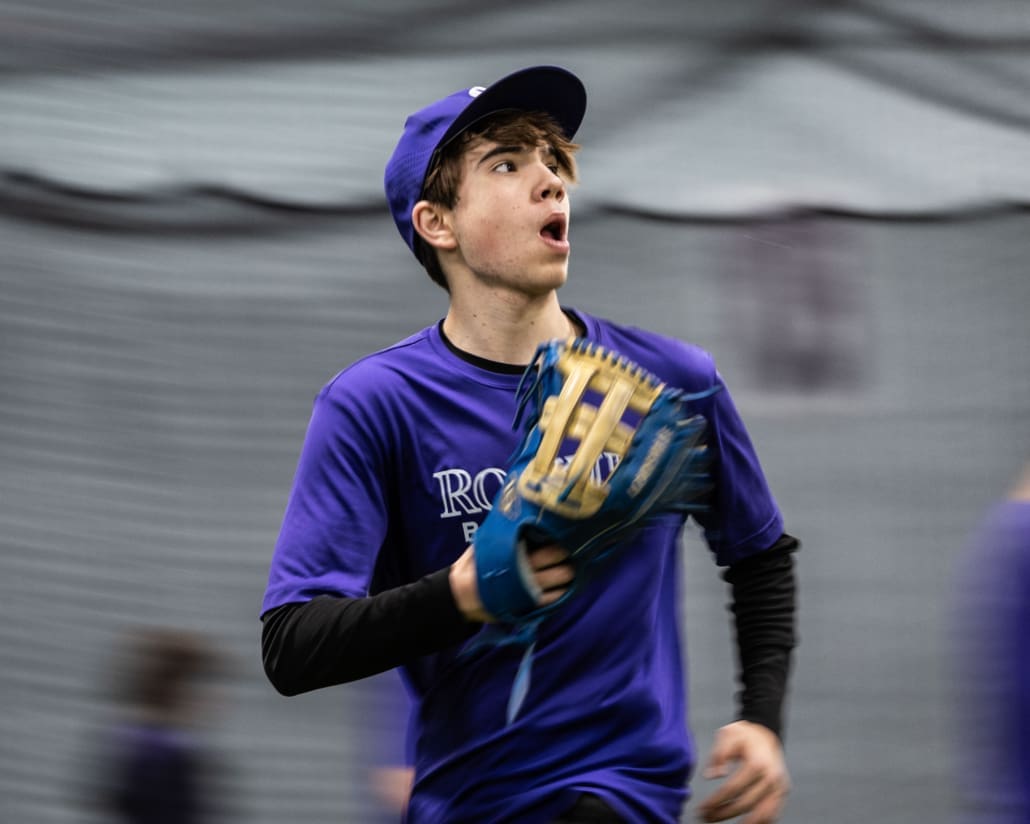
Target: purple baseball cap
x=548, y=89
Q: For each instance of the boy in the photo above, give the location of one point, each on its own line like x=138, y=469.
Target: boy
x=375, y=563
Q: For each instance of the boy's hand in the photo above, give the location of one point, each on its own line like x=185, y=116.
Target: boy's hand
x=758, y=785
x=551, y=571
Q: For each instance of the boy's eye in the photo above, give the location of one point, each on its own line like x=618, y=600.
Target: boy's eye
x=505, y=166
x=553, y=167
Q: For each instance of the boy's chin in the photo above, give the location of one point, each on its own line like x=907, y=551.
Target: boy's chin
x=553, y=277
x=534, y=282
x=545, y=284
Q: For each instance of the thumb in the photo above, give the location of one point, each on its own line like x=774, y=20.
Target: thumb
x=719, y=758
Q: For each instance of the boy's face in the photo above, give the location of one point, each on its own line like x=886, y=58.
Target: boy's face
x=511, y=217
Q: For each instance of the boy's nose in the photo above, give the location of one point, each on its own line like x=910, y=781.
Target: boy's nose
x=551, y=186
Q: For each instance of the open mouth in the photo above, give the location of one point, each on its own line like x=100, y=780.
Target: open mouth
x=555, y=229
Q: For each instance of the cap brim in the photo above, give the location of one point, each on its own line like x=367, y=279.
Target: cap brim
x=550, y=89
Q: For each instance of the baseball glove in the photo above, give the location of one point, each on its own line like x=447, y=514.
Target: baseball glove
x=607, y=446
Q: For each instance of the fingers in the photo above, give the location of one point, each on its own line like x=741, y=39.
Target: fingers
x=748, y=790
x=726, y=751
x=759, y=782
x=545, y=556
x=552, y=572
x=769, y=809
x=740, y=793
x=549, y=564
x=720, y=757
x=764, y=799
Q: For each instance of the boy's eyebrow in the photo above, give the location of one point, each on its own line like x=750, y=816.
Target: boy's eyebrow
x=500, y=150
x=548, y=149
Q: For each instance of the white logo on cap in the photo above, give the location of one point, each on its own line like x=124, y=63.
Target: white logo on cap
x=475, y=91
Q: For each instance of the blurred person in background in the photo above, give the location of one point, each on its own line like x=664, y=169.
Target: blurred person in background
x=795, y=303
x=993, y=634
x=158, y=769
x=375, y=563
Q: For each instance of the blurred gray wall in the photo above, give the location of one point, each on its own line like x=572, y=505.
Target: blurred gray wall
x=831, y=197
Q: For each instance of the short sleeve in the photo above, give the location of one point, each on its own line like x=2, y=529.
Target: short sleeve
x=743, y=517
x=336, y=516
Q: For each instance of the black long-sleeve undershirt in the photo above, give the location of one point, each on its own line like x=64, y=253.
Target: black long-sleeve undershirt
x=333, y=640
x=764, y=595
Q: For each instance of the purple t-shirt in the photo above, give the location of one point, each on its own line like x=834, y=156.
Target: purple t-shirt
x=404, y=453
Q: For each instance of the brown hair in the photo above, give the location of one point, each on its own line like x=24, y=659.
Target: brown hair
x=514, y=128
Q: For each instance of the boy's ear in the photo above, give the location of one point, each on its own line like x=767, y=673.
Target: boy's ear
x=431, y=221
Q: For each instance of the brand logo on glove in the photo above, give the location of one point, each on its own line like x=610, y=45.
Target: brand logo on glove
x=661, y=443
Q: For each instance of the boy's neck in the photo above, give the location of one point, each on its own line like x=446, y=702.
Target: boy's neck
x=506, y=331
